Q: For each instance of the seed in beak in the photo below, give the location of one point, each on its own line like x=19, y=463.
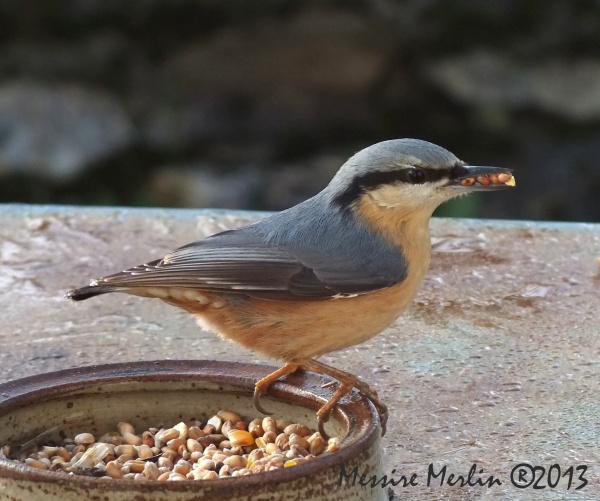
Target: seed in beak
x=487, y=180
x=502, y=178
x=506, y=179
x=484, y=180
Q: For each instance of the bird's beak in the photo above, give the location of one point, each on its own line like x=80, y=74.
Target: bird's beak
x=476, y=178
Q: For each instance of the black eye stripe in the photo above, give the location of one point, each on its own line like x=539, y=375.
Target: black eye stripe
x=372, y=180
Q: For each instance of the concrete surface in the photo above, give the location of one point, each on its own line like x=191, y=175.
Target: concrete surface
x=496, y=363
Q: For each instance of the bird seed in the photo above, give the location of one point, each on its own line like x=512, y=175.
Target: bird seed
x=223, y=446
x=503, y=178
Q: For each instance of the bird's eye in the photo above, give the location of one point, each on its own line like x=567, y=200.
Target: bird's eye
x=415, y=176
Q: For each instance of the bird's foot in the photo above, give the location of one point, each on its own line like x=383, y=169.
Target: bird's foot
x=347, y=382
x=324, y=412
x=371, y=394
x=262, y=385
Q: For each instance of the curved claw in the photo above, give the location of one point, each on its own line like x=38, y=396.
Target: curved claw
x=258, y=392
x=321, y=420
x=383, y=413
x=347, y=382
x=371, y=394
x=262, y=385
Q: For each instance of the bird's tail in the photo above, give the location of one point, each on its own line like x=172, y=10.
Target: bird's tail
x=90, y=291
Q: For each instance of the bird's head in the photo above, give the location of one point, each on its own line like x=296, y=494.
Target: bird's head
x=410, y=175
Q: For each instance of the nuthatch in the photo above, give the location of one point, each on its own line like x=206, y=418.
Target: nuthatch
x=326, y=274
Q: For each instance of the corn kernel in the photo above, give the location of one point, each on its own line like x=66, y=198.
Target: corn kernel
x=240, y=438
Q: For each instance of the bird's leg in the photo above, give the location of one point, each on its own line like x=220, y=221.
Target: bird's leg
x=262, y=385
x=347, y=382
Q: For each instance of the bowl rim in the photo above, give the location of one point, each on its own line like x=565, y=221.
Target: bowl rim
x=302, y=388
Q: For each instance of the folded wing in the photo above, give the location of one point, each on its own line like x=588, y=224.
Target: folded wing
x=241, y=261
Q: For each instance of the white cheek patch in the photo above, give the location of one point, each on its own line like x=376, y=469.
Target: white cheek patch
x=408, y=195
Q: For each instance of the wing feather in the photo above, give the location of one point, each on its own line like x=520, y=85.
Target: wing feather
x=227, y=262
x=253, y=262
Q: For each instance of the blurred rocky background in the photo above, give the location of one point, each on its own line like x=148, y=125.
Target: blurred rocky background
x=255, y=104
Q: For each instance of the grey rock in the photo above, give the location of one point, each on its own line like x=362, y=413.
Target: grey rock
x=570, y=89
x=317, y=50
x=174, y=122
x=292, y=183
x=200, y=186
x=269, y=187
x=90, y=58
x=56, y=131
x=269, y=79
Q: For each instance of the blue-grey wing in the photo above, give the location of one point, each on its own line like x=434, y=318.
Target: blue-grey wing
x=250, y=262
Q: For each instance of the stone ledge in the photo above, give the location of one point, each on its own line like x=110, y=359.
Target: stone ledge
x=495, y=363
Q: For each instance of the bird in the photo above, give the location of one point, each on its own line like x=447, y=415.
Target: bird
x=326, y=274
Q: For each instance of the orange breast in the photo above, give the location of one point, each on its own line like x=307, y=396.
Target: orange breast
x=294, y=331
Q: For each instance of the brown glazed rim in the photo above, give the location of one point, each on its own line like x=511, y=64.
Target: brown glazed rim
x=302, y=388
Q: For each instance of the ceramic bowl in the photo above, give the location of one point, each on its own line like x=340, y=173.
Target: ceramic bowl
x=96, y=398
